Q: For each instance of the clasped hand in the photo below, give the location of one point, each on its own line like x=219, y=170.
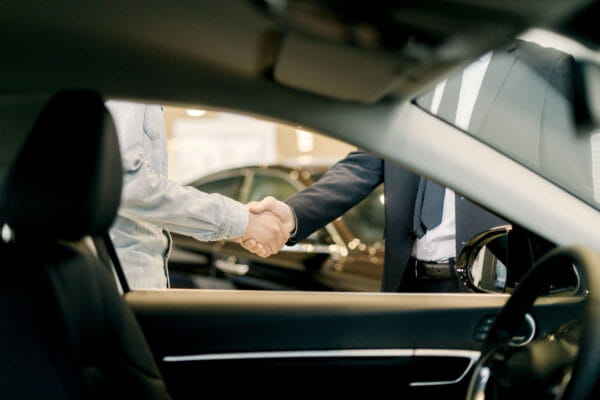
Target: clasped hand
x=269, y=226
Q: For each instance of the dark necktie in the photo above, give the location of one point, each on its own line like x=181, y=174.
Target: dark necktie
x=429, y=205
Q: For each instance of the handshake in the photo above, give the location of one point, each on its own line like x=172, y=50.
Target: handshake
x=269, y=226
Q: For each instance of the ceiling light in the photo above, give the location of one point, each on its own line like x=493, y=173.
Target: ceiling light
x=195, y=113
x=305, y=141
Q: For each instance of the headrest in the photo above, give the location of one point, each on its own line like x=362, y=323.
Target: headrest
x=66, y=181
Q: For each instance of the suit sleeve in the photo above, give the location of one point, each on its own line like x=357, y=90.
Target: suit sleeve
x=345, y=184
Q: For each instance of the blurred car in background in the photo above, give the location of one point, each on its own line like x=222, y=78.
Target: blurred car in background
x=346, y=255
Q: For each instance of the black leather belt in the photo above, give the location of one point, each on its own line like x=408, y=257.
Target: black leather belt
x=434, y=269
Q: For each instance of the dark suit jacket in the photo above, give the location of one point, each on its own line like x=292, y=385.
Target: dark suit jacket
x=525, y=95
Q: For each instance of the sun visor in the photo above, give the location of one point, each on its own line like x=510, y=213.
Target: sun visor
x=336, y=70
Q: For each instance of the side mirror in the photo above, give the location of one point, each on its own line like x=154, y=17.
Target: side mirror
x=482, y=266
x=477, y=268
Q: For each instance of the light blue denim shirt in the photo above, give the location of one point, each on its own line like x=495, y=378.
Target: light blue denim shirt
x=152, y=205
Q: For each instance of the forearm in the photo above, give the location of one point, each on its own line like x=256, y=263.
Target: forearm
x=182, y=209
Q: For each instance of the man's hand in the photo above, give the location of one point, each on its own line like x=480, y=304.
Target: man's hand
x=265, y=232
x=279, y=208
x=284, y=214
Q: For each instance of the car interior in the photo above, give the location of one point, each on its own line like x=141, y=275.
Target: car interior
x=71, y=327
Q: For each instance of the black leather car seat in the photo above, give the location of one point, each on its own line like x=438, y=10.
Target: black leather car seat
x=65, y=331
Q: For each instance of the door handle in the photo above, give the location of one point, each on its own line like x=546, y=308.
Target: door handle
x=230, y=266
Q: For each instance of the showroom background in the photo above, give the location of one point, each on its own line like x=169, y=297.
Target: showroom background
x=203, y=142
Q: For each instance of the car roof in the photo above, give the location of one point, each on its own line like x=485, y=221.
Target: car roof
x=326, y=48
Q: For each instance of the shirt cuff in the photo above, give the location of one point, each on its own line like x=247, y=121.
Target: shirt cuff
x=293, y=239
x=235, y=220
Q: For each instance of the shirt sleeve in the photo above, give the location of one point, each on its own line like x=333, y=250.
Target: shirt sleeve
x=152, y=197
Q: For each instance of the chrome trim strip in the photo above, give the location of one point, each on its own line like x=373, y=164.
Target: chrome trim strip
x=531, y=324
x=293, y=354
x=472, y=355
x=476, y=389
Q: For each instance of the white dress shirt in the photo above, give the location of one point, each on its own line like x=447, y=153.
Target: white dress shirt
x=439, y=243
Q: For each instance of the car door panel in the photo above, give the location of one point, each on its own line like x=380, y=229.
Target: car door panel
x=265, y=342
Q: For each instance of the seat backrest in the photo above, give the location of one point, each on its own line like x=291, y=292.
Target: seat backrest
x=66, y=331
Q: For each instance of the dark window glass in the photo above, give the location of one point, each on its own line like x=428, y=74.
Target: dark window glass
x=366, y=219
x=268, y=185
